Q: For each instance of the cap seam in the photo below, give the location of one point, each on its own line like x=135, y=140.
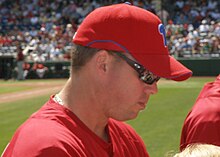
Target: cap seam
x=111, y=41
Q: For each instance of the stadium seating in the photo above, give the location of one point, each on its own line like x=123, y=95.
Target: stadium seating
x=44, y=29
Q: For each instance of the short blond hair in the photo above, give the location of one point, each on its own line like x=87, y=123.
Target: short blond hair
x=82, y=54
x=200, y=150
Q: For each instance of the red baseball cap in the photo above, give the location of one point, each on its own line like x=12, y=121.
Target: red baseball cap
x=130, y=29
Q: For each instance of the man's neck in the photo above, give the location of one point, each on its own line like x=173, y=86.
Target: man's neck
x=85, y=107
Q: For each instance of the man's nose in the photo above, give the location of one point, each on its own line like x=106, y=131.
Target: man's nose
x=151, y=89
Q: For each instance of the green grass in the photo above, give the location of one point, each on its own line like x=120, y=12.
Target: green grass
x=11, y=86
x=14, y=114
x=5, y=89
x=159, y=125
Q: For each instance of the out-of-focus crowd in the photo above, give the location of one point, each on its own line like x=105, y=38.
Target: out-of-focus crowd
x=44, y=29
x=187, y=41
x=194, y=28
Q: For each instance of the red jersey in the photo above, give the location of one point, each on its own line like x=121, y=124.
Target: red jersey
x=55, y=131
x=20, y=56
x=202, y=124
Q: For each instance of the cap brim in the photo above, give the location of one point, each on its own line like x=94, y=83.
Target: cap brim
x=164, y=66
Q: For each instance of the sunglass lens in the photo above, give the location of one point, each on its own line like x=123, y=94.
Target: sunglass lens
x=149, y=78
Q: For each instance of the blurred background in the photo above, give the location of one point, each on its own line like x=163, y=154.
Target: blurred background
x=36, y=35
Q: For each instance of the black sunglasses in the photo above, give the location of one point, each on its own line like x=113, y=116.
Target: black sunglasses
x=145, y=75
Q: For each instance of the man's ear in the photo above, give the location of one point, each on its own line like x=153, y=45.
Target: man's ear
x=102, y=60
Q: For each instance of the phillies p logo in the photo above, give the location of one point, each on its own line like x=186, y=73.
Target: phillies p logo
x=162, y=32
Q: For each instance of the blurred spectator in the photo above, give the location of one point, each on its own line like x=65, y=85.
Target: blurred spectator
x=20, y=61
x=215, y=47
x=26, y=68
x=8, y=69
x=163, y=15
x=39, y=69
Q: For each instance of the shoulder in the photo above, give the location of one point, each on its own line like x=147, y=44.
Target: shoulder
x=46, y=131
x=41, y=131
x=206, y=109
x=204, y=114
x=43, y=138
x=207, y=105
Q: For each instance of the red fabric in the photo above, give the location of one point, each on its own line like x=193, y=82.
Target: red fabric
x=38, y=66
x=202, y=124
x=26, y=66
x=131, y=30
x=20, y=56
x=54, y=131
x=5, y=40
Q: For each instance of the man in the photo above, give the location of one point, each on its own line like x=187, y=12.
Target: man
x=20, y=62
x=202, y=124
x=108, y=84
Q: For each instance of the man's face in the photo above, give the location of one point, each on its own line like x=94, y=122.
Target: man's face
x=127, y=94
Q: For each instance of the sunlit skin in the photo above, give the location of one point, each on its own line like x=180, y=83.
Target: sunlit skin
x=106, y=87
x=126, y=94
